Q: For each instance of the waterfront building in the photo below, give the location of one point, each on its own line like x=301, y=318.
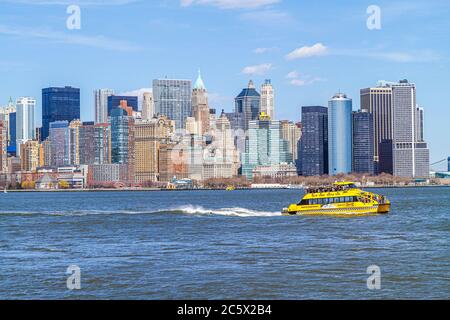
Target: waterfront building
x=74, y=142
x=378, y=102
x=221, y=158
x=363, y=145
x=411, y=156
x=108, y=175
x=291, y=132
x=149, y=135
x=173, y=99
x=247, y=107
x=59, y=104
x=340, y=138
x=115, y=102
x=276, y=171
x=29, y=156
x=200, y=107
x=148, y=106
x=101, y=104
x=313, y=147
x=264, y=146
x=268, y=99
x=386, y=158
x=173, y=162
x=122, y=139
x=60, y=143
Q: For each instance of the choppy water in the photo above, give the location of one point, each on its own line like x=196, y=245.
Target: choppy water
x=220, y=245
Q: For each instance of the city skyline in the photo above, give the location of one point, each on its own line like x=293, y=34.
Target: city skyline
x=119, y=55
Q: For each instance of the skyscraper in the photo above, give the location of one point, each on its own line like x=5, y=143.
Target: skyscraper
x=3, y=146
x=221, y=156
x=59, y=104
x=29, y=156
x=264, y=146
x=411, y=156
x=268, y=99
x=101, y=104
x=25, y=125
x=363, y=145
x=313, y=153
x=149, y=135
x=291, y=132
x=378, y=102
x=95, y=143
x=247, y=107
x=9, y=118
x=148, y=106
x=59, y=143
x=200, y=107
x=173, y=99
x=114, y=102
x=74, y=142
x=340, y=134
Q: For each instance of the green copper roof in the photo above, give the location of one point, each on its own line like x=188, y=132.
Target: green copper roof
x=199, y=84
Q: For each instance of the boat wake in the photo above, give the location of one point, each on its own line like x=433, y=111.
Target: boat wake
x=185, y=210
x=234, y=212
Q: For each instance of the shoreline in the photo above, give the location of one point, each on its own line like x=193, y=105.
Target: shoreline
x=206, y=189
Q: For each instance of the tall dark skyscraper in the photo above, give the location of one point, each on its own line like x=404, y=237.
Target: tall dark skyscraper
x=12, y=132
x=59, y=104
x=363, y=145
x=314, y=142
x=114, y=102
x=247, y=107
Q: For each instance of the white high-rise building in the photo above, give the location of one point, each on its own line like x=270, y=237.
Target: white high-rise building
x=25, y=126
x=101, y=105
x=411, y=154
x=268, y=99
x=148, y=106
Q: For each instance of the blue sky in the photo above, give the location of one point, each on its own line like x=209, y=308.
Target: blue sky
x=124, y=45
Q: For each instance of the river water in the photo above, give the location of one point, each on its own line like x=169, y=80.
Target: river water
x=220, y=245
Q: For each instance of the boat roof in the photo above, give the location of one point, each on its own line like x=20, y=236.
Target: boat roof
x=335, y=194
x=344, y=183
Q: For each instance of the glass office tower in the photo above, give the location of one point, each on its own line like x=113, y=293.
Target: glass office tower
x=313, y=153
x=340, y=140
x=59, y=104
x=173, y=99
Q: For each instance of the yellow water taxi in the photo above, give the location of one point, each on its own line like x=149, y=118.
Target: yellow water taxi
x=340, y=199
x=230, y=188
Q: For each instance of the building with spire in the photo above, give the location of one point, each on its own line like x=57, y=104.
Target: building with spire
x=247, y=107
x=200, y=107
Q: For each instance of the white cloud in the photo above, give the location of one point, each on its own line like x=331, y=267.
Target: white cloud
x=293, y=75
x=265, y=50
x=230, y=4
x=137, y=93
x=295, y=79
x=68, y=38
x=307, y=52
x=258, y=70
